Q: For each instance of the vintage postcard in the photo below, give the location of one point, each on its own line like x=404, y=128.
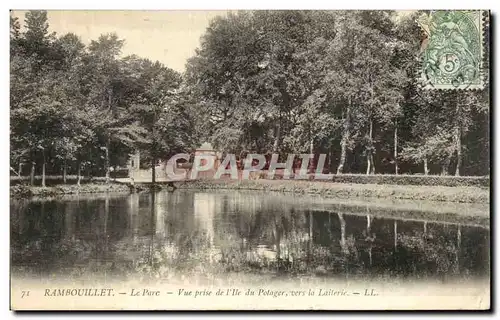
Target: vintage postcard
x=250, y=160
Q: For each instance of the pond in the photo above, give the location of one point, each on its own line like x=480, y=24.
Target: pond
x=209, y=236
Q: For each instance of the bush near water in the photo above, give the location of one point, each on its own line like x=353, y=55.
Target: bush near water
x=416, y=180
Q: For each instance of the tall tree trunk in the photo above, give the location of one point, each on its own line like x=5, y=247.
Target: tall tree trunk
x=153, y=170
x=153, y=149
x=373, y=163
x=396, y=167
x=426, y=166
x=107, y=161
x=345, y=138
x=43, y=170
x=108, y=141
x=369, y=153
x=79, y=173
x=32, y=173
x=313, y=163
x=277, y=138
x=343, y=151
x=457, y=136
x=445, y=165
x=458, y=147
x=20, y=169
x=64, y=171
x=330, y=160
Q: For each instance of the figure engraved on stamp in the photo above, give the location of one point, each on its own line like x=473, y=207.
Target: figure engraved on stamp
x=452, y=50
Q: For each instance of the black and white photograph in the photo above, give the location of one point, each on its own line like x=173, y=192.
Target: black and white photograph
x=250, y=160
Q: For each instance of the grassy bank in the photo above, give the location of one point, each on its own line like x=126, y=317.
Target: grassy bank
x=23, y=191
x=413, y=180
x=56, y=180
x=326, y=189
x=401, y=179
x=469, y=194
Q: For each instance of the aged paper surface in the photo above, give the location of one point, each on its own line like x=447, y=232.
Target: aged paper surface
x=250, y=160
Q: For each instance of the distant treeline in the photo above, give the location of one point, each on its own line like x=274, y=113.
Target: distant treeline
x=336, y=82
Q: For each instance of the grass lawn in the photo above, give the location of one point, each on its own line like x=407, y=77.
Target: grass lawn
x=467, y=194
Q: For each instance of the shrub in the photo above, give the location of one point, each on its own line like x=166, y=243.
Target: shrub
x=417, y=180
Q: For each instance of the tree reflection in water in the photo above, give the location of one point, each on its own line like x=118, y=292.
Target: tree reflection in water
x=180, y=234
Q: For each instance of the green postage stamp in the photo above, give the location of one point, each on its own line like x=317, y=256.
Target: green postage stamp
x=453, y=49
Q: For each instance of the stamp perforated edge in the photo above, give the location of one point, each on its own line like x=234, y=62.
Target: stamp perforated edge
x=484, y=60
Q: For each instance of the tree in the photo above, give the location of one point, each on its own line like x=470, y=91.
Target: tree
x=157, y=105
x=107, y=86
x=249, y=77
x=361, y=79
x=15, y=28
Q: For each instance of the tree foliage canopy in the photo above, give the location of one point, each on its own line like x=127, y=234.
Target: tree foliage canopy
x=336, y=82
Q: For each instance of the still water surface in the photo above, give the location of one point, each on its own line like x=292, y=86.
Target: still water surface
x=213, y=234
